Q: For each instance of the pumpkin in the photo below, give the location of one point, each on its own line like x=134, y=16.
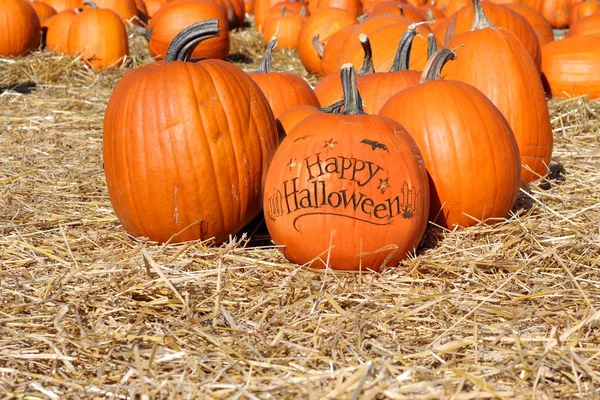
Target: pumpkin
x=571, y=66
x=57, y=31
x=467, y=145
x=282, y=89
x=99, y=36
x=286, y=26
x=152, y=6
x=347, y=191
x=585, y=26
x=353, y=7
x=541, y=27
x=126, y=9
x=293, y=115
x=61, y=5
x=500, y=16
x=494, y=60
x=19, y=28
x=556, y=12
x=186, y=145
x=316, y=32
x=390, y=7
x=375, y=87
x=262, y=9
x=43, y=11
x=176, y=15
x=582, y=9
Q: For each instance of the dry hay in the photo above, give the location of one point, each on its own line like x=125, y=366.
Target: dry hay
x=86, y=311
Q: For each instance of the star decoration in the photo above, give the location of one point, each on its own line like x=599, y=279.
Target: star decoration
x=330, y=143
x=383, y=185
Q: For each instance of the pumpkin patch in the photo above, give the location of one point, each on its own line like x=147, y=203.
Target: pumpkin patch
x=157, y=239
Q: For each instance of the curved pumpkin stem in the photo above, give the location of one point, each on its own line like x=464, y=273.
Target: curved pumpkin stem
x=318, y=46
x=367, y=66
x=480, y=20
x=433, y=68
x=402, y=57
x=184, y=43
x=431, y=45
x=352, y=99
x=334, y=108
x=90, y=4
x=266, y=65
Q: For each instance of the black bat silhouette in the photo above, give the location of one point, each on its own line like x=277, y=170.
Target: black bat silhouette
x=302, y=138
x=375, y=145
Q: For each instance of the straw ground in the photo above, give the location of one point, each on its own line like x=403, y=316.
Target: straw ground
x=86, y=311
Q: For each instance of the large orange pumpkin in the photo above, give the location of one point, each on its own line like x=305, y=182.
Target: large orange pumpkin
x=61, y=5
x=99, y=36
x=348, y=191
x=585, y=26
x=20, y=30
x=43, y=11
x=187, y=145
x=494, y=61
x=468, y=147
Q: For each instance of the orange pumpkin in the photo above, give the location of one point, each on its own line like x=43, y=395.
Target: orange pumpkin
x=500, y=16
x=282, y=89
x=542, y=28
x=152, y=6
x=582, y=9
x=99, y=36
x=61, y=5
x=126, y=9
x=316, y=32
x=286, y=26
x=187, y=145
x=43, y=11
x=494, y=61
x=571, y=66
x=556, y=12
x=586, y=26
x=20, y=30
x=348, y=191
x=176, y=15
x=57, y=33
x=467, y=145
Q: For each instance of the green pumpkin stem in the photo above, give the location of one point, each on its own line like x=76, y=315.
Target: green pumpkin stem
x=367, y=66
x=480, y=20
x=352, y=99
x=266, y=65
x=433, y=68
x=402, y=57
x=431, y=45
x=184, y=43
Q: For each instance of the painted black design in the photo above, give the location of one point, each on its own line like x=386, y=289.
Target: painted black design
x=375, y=145
x=302, y=138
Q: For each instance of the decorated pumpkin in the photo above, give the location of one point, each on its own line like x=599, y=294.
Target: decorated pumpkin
x=347, y=191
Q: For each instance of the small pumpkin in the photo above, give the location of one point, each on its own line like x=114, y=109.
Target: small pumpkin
x=43, y=11
x=177, y=15
x=57, y=31
x=186, y=145
x=20, y=30
x=282, y=89
x=286, y=26
x=347, y=191
x=61, y=5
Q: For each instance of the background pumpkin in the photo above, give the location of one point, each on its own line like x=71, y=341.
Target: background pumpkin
x=20, y=30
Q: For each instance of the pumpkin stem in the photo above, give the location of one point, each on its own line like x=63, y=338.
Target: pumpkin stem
x=303, y=11
x=430, y=16
x=352, y=99
x=401, y=11
x=402, y=57
x=480, y=20
x=318, y=46
x=334, y=108
x=184, y=43
x=431, y=45
x=433, y=68
x=367, y=66
x=266, y=65
x=90, y=4
x=283, y=10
